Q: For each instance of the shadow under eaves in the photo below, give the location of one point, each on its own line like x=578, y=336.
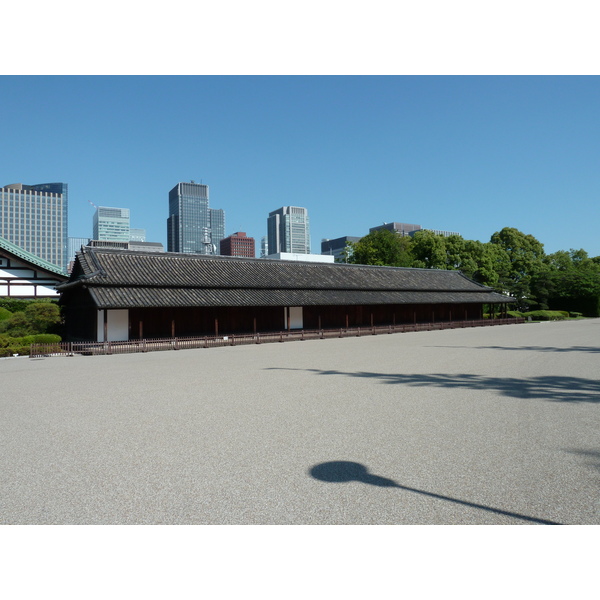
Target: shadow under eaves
x=342, y=471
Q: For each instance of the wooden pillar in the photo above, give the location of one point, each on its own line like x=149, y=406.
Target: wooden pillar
x=254, y=324
x=216, y=326
x=172, y=328
x=105, y=325
x=319, y=322
x=141, y=330
x=346, y=320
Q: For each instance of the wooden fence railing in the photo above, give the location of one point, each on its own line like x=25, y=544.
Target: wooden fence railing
x=184, y=343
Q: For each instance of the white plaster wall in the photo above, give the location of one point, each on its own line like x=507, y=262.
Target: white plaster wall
x=296, y=319
x=118, y=325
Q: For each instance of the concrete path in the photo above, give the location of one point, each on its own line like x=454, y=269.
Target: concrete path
x=497, y=425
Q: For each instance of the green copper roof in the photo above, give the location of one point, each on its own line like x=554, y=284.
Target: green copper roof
x=30, y=258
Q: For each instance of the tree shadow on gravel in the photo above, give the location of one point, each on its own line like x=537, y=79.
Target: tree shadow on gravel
x=553, y=388
x=590, y=457
x=341, y=471
x=584, y=349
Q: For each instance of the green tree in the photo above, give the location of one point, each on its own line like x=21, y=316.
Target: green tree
x=37, y=317
x=43, y=316
x=571, y=282
x=525, y=262
x=381, y=247
x=429, y=250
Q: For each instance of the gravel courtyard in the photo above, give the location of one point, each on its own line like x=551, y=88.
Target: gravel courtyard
x=495, y=425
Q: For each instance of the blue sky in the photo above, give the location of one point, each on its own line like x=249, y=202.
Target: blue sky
x=471, y=154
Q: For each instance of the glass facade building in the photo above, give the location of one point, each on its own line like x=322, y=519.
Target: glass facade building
x=288, y=230
x=137, y=235
x=111, y=224
x=193, y=227
x=35, y=218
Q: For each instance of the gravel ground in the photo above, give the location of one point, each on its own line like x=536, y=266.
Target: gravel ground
x=496, y=425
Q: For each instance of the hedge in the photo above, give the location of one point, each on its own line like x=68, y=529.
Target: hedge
x=547, y=315
x=21, y=345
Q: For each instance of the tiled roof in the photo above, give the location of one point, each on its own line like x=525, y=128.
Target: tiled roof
x=126, y=279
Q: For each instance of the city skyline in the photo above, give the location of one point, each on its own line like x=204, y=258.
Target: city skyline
x=467, y=154
x=35, y=218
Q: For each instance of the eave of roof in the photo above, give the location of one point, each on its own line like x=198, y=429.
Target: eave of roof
x=34, y=260
x=140, y=297
x=126, y=279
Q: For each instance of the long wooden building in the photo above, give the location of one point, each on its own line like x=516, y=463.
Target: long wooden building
x=124, y=295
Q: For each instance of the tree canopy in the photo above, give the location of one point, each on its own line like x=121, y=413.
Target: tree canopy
x=512, y=263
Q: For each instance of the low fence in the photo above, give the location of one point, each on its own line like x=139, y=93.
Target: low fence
x=184, y=343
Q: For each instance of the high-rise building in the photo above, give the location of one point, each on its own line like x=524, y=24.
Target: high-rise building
x=217, y=227
x=111, y=224
x=137, y=235
x=402, y=229
x=238, y=244
x=193, y=227
x=441, y=232
x=264, y=246
x=35, y=218
x=337, y=247
x=288, y=230
x=75, y=244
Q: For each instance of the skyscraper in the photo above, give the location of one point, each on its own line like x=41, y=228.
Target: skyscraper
x=288, y=230
x=35, y=218
x=111, y=224
x=193, y=227
x=137, y=235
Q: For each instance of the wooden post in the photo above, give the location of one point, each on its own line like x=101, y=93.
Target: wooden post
x=172, y=328
x=216, y=326
x=319, y=321
x=105, y=325
x=141, y=330
x=255, y=325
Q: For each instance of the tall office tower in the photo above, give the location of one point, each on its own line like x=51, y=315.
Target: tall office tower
x=217, y=228
x=288, y=230
x=137, y=235
x=35, y=218
x=264, y=246
x=75, y=244
x=238, y=244
x=111, y=224
x=193, y=227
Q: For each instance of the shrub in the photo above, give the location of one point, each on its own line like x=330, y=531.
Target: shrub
x=575, y=315
x=21, y=345
x=44, y=338
x=4, y=313
x=514, y=313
